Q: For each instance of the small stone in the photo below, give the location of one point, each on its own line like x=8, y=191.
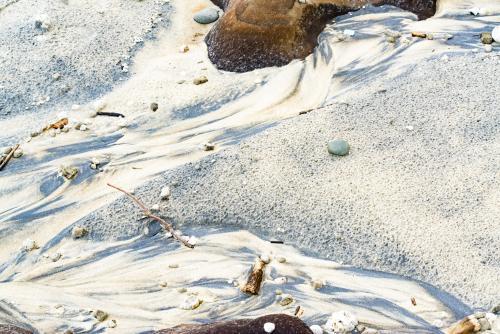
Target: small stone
x=206, y=16
x=488, y=48
x=79, y=232
x=286, y=300
x=430, y=37
x=281, y=260
x=173, y=266
x=486, y=38
x=485, y=324
x=155, y=207
x=180, y=82
x=100, y=315
x=164, y=284
x=65, y=129
x=56, y=257
x=69, y=331
x=83, y=127
x=495, y=34
x=184, y=49
x=165, y=193
x=52, y=133
x=409, y=128
x=200, y=80
x=18, y=153
x=479, y=315
x=269, y=327
x=112, y=323
x=35, y=134
x=341, y=322
x=391, y=39
x=154, y=106
x=208, y=147
x=191, y=303
x=68, y=172
x=278, y=292
x=29, y=245
x=338, y=147
x=181, y=290
x=349, y=32
x=280, y=280
x=56, y=76
x=316, y=329
x=265, y=258
x=7, y=150
x=317, y=284
x=495, y=309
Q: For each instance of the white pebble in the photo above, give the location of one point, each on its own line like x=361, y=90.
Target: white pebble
x=155, y=207
x=341, y=322
x=265, y=258
x=165, y=193
x=269, y=327
x=83, y=127
x=316, y=329
x=280, y=280
x=191, y=303
x=409, y=128
x=29, y=245
x=488, y=48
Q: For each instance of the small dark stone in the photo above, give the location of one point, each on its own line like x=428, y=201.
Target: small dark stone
x=486, y=38
x=154, y=106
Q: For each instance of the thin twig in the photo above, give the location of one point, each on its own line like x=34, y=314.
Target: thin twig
x=8, y=157
x=148, y=213
x=112, y=114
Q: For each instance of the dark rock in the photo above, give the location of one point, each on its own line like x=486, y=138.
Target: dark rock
x=260, y=33
x=11, y=329
x=285, y=324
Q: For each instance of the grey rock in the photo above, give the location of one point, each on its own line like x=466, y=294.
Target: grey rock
x=338, y=147
x=206, y=16
x=486, y=38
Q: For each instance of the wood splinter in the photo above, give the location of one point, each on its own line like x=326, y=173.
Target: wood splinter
x=255, y=279
x=6, y=160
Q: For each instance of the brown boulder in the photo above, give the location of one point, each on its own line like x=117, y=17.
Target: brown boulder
x=285, y=324
x=260, y=33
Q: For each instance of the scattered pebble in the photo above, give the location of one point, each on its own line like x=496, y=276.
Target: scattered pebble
x=112, y=323
x=184, y=49
x=56, y=257
x=35, y=134
x=286, y=300
x=269, y=327
x=486, y=38
x=7, y=150
x=164, y=284
x=206, y=16
x=191, y=303
x=29, y=245
x=316, y=329
x=200, y=80
x=280, y=280
x=278, y=292
x=56, y=76
x=281, y=259
x=154, y=106
x=165, y=193
x=181, y=290
x=100, y=315
x=79, y=232
x=317, y=284
x=409, y=128
x=265, y=258
x=83, y=127
x=338, y=147
x=208, y=147
x=18, y=153
x=173, y=265
x=68, y=172
x=341, y=322
x=488, y=48
x=155, y=207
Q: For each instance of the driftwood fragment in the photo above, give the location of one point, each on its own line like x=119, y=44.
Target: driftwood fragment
x=9, y=156
x=284, y=324
x=467, y=325
x=111, y=114
x=57, y=125
x=419, y=34
x=147, y=212
x=255, y=279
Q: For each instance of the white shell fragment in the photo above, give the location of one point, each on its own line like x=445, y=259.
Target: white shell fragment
x=269, y=327
x=496, y=34
x=341, y=322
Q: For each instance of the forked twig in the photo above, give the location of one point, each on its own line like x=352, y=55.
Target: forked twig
x=148, y=213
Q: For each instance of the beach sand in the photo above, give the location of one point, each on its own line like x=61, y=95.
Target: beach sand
x=416, y=197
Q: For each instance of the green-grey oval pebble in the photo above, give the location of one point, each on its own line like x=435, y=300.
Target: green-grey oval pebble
x=207, y=16
x=338, y=147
